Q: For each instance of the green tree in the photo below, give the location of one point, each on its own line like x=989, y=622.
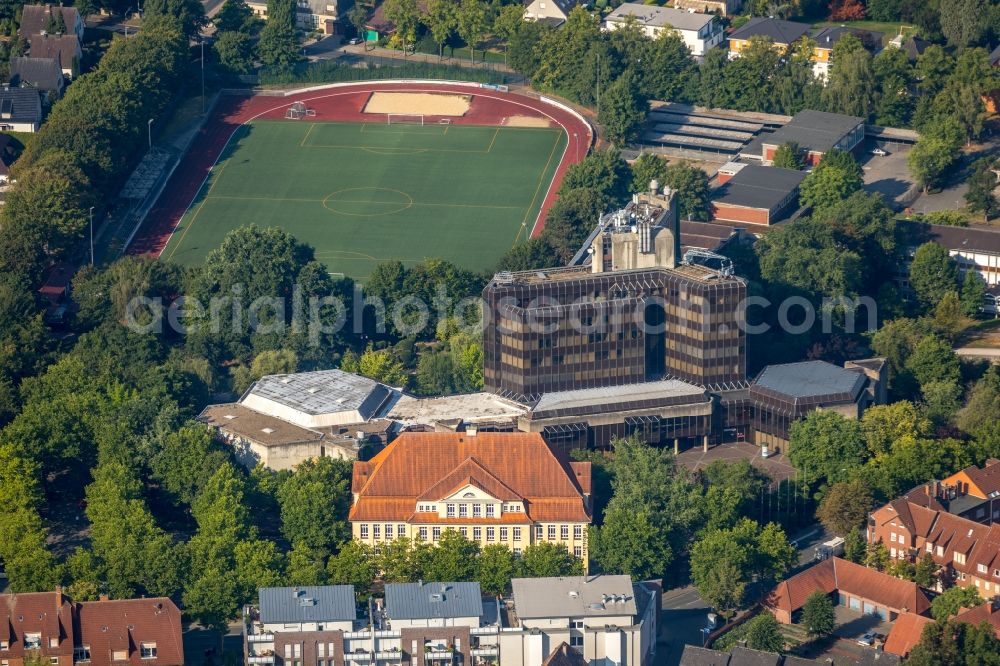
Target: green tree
x=949, y=602
x=235, y=16
x=235, y=51
x=305, y=566
x=845, y=507
x=764, y=633
x=453, y=559
x=185, y=460
x=933, y=273
x=544, y=559
x=623, y=109
x=827, y=445
x=441, y=21
x=435, y=373
x=358, y=16
x=353, y=565
x=817, y=615
x=646, y=168
x=668, y=70
x=931, y=158
x=964, y=22
x=980, y=195
x=925, y=573
x=933, y=360
x=883, y=425
x=855, y=547
x=190, y=13
x=788, y=156
x=691, y=185
x=406, y=15
x=472, y=22
x=378, y=364
x=834, y=179
x=850, y=87
x=278, y=45
x=983, y=403
x=495, y=567
x=954, y=643
x=314, y=502
x=212, y=599
x=628, y=543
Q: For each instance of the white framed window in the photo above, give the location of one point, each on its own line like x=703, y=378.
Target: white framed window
x=578, y=531
x=449, y=510
x=32, y=641
x=463, y=510
x=377, y=531
x=491, y=534
x=575, y=641
x=982, y=568
x=464, y=531
x=491, y=510
x=147, y=650
x=576, y=623
x=81, y=653
x=388, y=530
x=364, y=530
x=119, y=655
x=504, y=533
x=321, y=650
x=517, y=552
x=552, y=532
x=578, y=552
x=54, y=642
x=436, y=533
x=477, y=533
x=892, y=537
x=539, y=532
x=423, y=534
x=564, y=532
x=401, y=529
x=54, y=660
x=4, y=645
x=477, y=510
x=929, y=547
x=517, y=534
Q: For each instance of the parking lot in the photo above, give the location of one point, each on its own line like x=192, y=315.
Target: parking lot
x=889, y=175
x=843, y=647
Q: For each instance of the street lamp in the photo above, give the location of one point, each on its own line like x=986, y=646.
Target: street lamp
x=149, y=131
x=91, y=235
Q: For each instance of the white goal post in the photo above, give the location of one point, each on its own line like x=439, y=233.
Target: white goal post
x=404, y=118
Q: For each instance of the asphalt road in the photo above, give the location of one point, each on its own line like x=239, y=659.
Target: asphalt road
x=685, y=613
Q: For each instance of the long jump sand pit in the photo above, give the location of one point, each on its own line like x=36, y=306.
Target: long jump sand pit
x=527, y=121
x=428, y=104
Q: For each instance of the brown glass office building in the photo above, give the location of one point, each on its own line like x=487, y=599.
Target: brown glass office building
x=571, y=328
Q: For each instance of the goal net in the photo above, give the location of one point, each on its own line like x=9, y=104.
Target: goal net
x=296, y=111
x=404, y=118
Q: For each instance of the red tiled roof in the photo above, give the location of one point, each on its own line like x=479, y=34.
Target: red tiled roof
x=45, y=613
x=61, y=48
x=519, y=465
x=980, y=614
x=986, y=478
x=564, y=655
x=838, y=574
x=127, y=623
x=905, y=633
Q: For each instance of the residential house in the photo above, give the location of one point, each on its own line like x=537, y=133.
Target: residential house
x=547, y=622
x=20, y=110
x=553, y=12
x=967, y=552
x=39, y=19
x=783, y=394
x=64, y=49
x=322, y=16
x=816, y=133
x=905, y=633
x=36, y=625
x=41, y=73
x=851, y=585
x=720, y=7
x=506, y=488
x=133, y=632
x=753, y=194
x=972, y=493
x=914, y=46
x=781, y=33
x=700, y=32
x=826, y=39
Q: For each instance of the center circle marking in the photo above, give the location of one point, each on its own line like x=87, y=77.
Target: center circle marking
x=356, y=197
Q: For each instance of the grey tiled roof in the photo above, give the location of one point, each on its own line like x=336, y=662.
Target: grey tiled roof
x=42, y=73
x=23, y=104
x=816, y=131
x=325, y=603
x=780, y=32
x=757, y=186
x=417, y=601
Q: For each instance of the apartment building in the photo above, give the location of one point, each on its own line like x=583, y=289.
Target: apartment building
x=700, y=32
x=782, y=34
x=36, y=625
x=491, y=487
x=600, y=619
x=972, y=493
x=967, y=551
x=48, y=626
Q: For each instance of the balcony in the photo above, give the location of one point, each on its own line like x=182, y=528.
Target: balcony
x=491, y=651
x=389, y=655
x=260, y=638
x=361, y=657
x=260, y=659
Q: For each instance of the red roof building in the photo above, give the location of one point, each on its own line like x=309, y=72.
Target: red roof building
x=905, y=633
x=138, y=632
x=858, y=588
x=39, y=623
x=509, y=488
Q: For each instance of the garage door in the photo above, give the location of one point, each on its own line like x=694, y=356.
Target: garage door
x=855, y=604
x=869, y=609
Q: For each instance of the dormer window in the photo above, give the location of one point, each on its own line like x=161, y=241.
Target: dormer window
x=4, y=645
x=53, y=642
x=81, y=653
x=490, y=510
x=119, y=655
x=147, y=650
x=32, y=641
x=450, y=511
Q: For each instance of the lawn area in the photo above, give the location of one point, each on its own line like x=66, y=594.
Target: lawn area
x=361, y=193
x=888, y=28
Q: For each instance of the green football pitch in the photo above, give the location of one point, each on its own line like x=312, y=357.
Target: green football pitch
x=361, y=193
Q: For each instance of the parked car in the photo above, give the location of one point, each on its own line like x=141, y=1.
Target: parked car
x=354, y=40
x=879, y=152
x=868, y=638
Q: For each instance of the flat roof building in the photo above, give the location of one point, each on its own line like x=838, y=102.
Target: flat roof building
x=816, y=133
x=753, y=194
x=700, y=32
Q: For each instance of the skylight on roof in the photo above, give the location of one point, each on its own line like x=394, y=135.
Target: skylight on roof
x=267, y=431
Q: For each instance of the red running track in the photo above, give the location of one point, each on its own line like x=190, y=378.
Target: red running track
x=342, y=103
